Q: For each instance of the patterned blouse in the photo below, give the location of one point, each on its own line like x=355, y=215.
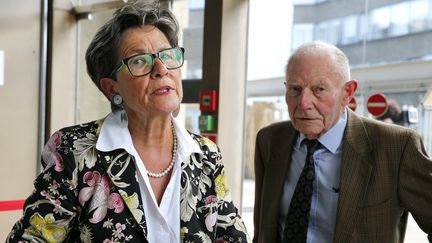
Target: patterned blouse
x=86, y=195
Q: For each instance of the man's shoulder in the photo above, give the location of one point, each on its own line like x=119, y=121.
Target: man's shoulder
x=277, y=126
x=276, y=129
x=378, y=129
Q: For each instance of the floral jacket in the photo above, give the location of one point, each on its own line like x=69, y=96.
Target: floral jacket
x=86, y=195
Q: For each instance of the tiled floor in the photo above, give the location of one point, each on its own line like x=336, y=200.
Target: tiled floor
x=413, y=235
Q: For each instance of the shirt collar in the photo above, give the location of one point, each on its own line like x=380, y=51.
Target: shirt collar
x=115, y=134
x=333, y=137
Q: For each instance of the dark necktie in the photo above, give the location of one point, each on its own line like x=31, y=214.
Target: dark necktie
x=297, y=220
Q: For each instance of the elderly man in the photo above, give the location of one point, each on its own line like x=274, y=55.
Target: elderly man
x=329, y=175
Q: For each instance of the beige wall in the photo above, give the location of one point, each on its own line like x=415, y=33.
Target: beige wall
x=19, y=39
x=63, y=89
x=91, y=103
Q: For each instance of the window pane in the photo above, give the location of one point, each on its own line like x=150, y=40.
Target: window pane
x=269, y=42
x=302, y=33
x=334, y=31
x=350, y=34
x=379, y=23
x=399, y=19
x=328, y=31
x=419, y=15
x=430, y=14
x=304, y=2
x=321, y=31
x=190, y=14
x=196, y=4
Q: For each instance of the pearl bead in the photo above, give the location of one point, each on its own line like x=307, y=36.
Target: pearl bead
x=171, y=165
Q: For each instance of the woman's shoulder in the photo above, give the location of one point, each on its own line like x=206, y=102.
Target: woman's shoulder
x=204, y=142
x=83, y=129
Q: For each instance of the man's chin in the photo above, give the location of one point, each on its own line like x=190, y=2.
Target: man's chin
x=310, y=133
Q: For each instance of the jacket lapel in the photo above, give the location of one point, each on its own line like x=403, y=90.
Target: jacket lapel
x=355, y=174
x=280, y=149
x=190, y=181
x=121, y=169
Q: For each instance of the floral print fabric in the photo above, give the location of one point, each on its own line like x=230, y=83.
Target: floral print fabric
x=86, y=195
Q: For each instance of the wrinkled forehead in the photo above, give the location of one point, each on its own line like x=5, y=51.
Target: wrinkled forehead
x=308, y=64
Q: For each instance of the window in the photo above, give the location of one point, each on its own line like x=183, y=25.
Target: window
x=304, y=2
x=328, y=31
x=350, y=32
x=302, y=33
x=308, y=2
x=190, y=15
x=419, y=15
x=399, y=19
x=430, y=15
x=363, y=26
x=196, y=4
x=379, y=23
x=268, y=49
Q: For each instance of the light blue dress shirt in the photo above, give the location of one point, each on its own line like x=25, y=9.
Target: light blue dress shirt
x=326, y=186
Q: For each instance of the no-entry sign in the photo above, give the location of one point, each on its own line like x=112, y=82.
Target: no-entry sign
x=352, y=104
x=377, y=104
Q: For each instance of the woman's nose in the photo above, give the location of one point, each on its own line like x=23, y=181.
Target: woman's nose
x=159, y=69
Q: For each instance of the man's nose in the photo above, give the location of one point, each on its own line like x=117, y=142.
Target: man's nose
x=305, y=100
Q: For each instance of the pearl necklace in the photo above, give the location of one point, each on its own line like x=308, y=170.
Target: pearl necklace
x=171, y=165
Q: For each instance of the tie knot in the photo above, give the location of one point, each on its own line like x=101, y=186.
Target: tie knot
x=312, y=144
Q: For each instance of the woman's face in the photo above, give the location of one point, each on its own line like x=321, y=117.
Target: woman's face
x=157, y=93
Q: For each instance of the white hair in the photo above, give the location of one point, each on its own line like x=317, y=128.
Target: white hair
x=320, y=48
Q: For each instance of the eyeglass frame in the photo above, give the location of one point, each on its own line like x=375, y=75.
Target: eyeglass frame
x=124, y=62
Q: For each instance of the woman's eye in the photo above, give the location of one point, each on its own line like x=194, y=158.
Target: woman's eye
x=140, y=60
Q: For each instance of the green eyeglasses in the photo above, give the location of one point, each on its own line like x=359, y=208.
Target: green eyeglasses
x=143, y=64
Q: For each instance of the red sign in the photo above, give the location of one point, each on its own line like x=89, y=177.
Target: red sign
x=211, y=136
x=352, y=104
x=208, y=100
x=377, y=104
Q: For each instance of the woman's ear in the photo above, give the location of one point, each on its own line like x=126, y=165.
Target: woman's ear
x=107, y=86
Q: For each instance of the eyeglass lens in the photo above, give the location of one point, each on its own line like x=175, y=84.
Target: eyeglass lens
x=143, y=64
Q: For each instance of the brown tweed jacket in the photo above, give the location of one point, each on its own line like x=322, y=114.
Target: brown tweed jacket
x=385, y=174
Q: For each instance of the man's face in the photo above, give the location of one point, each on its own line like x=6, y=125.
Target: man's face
x=315, y=94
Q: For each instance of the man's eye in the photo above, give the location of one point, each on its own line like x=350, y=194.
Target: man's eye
x=320, y=91
x=293, y=91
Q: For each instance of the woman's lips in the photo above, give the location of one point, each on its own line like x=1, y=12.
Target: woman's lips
x=163, y=90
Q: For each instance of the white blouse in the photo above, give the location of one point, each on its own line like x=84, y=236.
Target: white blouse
x=163, y=222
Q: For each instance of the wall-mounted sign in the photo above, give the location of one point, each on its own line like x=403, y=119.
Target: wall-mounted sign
x=208, y=100
x=211, y=136
x=207, y=123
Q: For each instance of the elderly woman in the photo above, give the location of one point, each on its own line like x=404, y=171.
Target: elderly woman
x=136, y=175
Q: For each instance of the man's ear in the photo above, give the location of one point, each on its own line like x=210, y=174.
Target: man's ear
x=107, y=86
x=350, y=88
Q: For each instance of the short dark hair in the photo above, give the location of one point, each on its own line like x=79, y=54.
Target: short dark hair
x=102, y=54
